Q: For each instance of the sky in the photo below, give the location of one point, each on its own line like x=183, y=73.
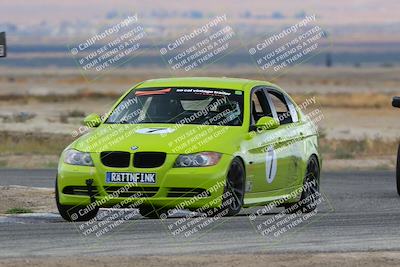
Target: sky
x=23, y=12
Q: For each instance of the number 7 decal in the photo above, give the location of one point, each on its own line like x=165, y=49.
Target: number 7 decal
x=270, y=164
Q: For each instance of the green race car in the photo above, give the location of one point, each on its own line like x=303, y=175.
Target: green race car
x=211, y=145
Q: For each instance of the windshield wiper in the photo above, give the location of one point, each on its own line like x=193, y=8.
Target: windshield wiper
x=124, y=122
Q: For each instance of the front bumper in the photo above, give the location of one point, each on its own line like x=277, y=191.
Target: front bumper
x=189, y=188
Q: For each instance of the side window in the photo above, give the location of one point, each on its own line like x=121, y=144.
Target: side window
x=292, y=109
x=259, y=106
x=284, y=108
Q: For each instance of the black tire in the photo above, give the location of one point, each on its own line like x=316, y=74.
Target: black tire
x=71, y=213
x=232, y=200
x=398, y=171
x=309, y=197
x=152, y=212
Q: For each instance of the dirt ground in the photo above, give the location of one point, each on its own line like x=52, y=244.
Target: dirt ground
x=353, y=104
x=35, y=199
x=354, y=107
x=365, y=259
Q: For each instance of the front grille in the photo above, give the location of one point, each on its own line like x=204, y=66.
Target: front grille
x=135, y=191
x=79, y=190
x=148, y=159
x=187, y=192
x=115, y=159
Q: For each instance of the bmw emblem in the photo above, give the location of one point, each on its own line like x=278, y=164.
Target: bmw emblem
x=134, y=147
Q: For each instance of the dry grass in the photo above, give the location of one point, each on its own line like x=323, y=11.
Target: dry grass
x=68, y=86
x=358, y=149
x=348, y=100
x=18, y=143
x=42, y=150
x=54, y=97
x=331, y=100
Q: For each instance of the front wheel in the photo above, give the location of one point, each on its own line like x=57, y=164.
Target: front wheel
x=74, y=213
x=232, y=199
x=152, y=212
x=398, y=171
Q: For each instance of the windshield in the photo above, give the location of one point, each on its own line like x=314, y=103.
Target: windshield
x=180, y=105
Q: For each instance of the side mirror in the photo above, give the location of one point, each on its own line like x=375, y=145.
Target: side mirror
x=267, y=123
x=92, y=120
x=396, y=102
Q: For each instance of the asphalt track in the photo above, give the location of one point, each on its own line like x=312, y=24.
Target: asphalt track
x=360, y=211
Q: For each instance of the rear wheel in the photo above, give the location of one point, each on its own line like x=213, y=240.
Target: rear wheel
x=398, y=170
x=73, y=213
x=310, y=194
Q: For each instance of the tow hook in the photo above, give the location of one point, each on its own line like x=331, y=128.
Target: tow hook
x=89, y=183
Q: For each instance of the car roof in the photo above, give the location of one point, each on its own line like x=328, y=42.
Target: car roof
x=206, y=82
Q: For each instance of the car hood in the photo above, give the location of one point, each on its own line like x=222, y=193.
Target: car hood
x=169, y=138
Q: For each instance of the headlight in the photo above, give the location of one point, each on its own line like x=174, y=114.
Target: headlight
x=201, y=159
x=75, y=157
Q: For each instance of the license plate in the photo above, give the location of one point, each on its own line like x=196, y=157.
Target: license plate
x=131, y=177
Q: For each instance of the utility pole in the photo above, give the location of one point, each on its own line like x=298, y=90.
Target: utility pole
x=3, y=45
